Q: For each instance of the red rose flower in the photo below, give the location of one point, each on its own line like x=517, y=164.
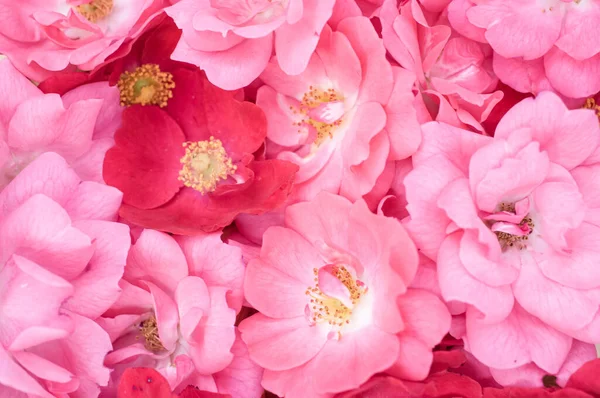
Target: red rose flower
x=188, y=167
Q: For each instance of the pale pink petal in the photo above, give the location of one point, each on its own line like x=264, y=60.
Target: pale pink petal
x=519, y=339
x=457, y=284
x=294, y=43
x=156, y=257
x=571, y=77
x=281, y=344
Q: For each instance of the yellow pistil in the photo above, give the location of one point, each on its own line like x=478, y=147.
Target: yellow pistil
x=149, y=330
x=205, y=163
x=310, y=100
x=590, y=103
x=146, y=85
x=325, y=309
x=95, y=10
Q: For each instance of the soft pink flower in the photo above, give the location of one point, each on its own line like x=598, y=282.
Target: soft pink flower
x=345, y=118
x=332, y=288
x=177, y=310
x=512, y=223
x=529, y=375
x=559, y=36
x=61, y=258
x=454, y=74
x=79, y=126
x=232, y=40
x=42, y=37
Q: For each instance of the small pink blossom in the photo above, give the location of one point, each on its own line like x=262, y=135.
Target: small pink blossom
x=335, y=307
x=556, y=39
x=61, y=258
x=232, y=40
x=79, y=126
x=41, y=38
x=345, y=119
x=511, y=222
x=177, y=313
x=453, y=74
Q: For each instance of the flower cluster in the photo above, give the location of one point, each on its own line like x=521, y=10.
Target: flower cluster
x=299, y=198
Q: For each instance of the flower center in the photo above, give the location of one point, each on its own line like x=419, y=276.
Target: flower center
x=322, y=110
x=590, y=103
x=512, y=224
x=95, y=10
x=149, y=330
x=205, y=163
x=146, y=85
x=333, y=300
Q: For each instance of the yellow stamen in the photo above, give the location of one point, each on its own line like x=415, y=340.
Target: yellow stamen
x=205, y=163
x=149, y=330
x=331, y=310
x=312, y=99
x=95, y=10
x=590, y=103
x=146, y=85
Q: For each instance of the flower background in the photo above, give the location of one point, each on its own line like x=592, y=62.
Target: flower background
x=299, y=198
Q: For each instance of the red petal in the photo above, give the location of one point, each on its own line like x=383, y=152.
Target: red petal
x=193, y=392
x=203, y=110
x=586, y=378
x=62, y=83
x=143, y=383
x=190, y=213
x=144, y=163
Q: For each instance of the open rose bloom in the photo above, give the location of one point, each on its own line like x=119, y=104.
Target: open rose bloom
x=42, y=37
x=335, y=306
x=511, y=222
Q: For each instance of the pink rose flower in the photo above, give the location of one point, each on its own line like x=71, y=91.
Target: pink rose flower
x=335, y=307
x=177, y=310
x=232, y=40
x=511, y=222
x=79, y=126
x=55, y=35
x=61, y=258
x=345, y=119
x=453, y=74
x=555, y=38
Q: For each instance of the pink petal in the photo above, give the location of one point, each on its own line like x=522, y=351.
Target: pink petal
x=12, y=375
x=414, y=359
x=94, y=201
x=98, y=287
x=217, y=263
x=41, y=229
x=167, y=317
x=281, y=344
x=156, y=257
x=212, y=340
x=294, y=43
x=559, y=306
x=242, y=377
x=356, y=357
x=571, y=77
x=222, y=67
x=457, y=284
x=425, y=316
x=519, y=339
x=193, y=302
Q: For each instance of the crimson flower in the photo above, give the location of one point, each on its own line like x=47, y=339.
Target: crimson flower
x=190, y=167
